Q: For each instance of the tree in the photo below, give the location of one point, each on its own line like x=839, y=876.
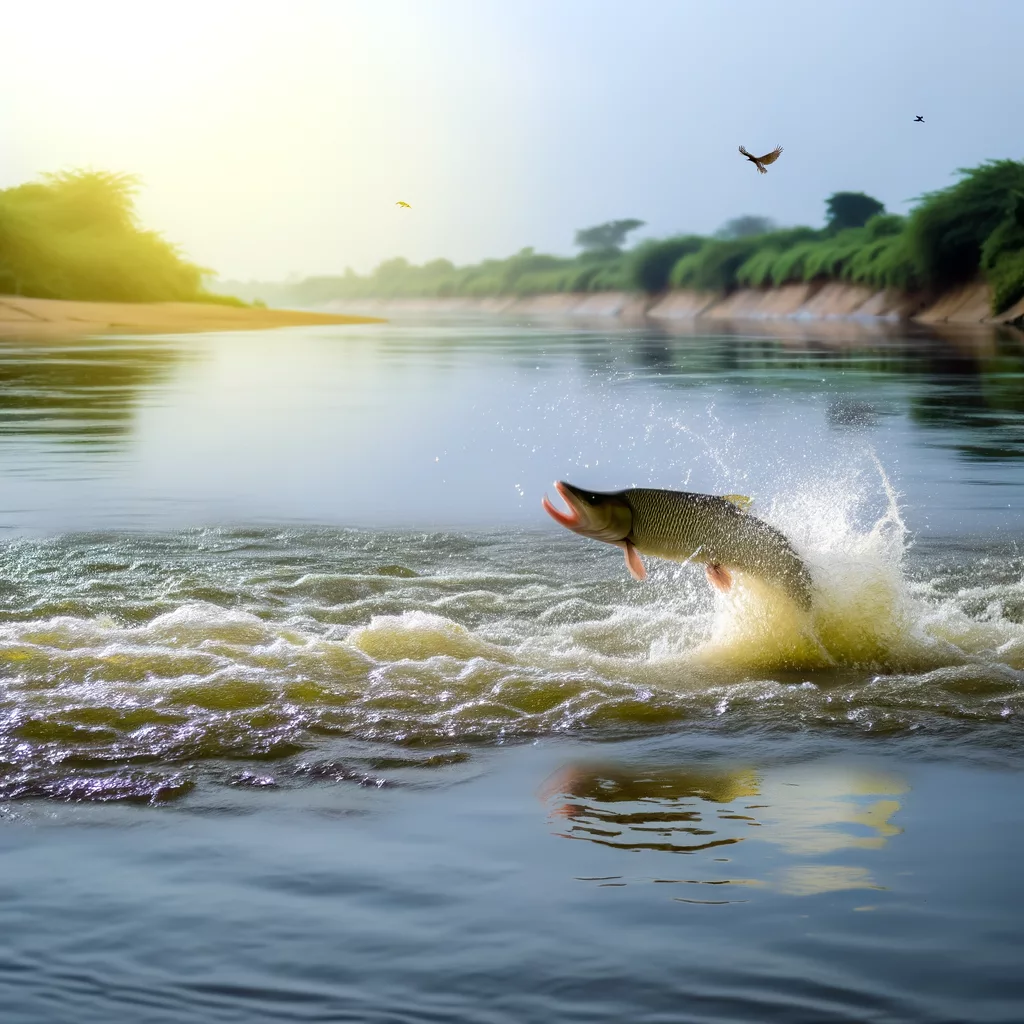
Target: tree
x=850, y=210
x=607, y=237
x=746, y=226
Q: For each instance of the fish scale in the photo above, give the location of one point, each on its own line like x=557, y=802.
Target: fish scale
x=671, y=524
x=680, y=525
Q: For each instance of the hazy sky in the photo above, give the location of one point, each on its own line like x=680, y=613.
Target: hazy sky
x=275, y=137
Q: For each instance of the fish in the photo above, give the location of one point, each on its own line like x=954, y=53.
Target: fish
x=683, y=526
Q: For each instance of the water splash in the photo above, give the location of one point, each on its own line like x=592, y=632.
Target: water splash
x=863, y=613
x=129, y=663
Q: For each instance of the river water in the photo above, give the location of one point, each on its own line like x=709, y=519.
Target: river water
x=308, y=712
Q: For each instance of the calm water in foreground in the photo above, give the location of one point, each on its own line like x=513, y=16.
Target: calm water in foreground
x=308, y=713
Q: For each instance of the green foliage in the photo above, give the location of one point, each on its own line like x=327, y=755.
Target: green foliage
x=525, y=273
x=714, y=266
x=1002, y=256
x=769, y=263
x=850, y=210
x=789, y=267
x=829, y=257
x=883, y=225
x=949, y=228
x=608, y=237
x=755, y=271
x=1006, y=278
x=612, y=277
x=746, y=226
x=1008, y=235
x=974, y=227
x=74, y=235
x=216, y=299
x=651, y=263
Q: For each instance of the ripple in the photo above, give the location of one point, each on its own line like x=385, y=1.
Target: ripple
x=509, y=643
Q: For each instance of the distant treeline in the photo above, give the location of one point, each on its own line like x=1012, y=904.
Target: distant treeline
x=75, y=235
x=974, y=228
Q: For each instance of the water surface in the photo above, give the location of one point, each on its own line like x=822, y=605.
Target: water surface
x=307, y=712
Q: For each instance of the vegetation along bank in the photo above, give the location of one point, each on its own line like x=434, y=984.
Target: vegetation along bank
x=959, y=254
x=75, y=260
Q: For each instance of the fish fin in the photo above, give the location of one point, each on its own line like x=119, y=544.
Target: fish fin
x=633, y=562
x=741, y=501
x=718, y=576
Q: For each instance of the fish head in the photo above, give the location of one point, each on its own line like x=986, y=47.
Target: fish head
x=594, y=514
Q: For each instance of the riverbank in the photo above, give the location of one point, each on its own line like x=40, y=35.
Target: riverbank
x=21, y=317
x=966, y=305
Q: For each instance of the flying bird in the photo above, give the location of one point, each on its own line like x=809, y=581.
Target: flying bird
x=406, y=205
x=760, y=161
x=919, y=118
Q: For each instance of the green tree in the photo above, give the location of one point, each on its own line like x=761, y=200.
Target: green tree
x=75, y=235
x=850, y=210
x=746, y=226
x=608, y=237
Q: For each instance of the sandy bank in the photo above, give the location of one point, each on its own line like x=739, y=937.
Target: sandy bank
x=23, y=317
x=966, y=305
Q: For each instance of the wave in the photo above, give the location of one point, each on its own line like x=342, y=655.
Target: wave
x=125, y=659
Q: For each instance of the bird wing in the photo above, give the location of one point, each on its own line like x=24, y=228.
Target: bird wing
x=749, y=156
x=769, y=158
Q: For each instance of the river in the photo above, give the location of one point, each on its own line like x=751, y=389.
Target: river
x=308, y=712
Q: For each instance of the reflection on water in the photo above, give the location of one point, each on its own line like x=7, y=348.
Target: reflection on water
x=808, y=813
x=83, y=392
x=966, y=383
x=476, y=419
x=845, y=412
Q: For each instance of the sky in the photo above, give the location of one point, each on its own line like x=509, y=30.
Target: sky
x=274, y=138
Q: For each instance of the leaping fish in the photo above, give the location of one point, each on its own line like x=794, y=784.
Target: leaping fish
x=684, y=527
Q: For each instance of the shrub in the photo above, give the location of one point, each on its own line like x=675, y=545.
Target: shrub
x=883, y=225
x=829, y=257
x=651, y=263
x=216, y=299
x=756, y=270
x=949, y=228
x=75, y=235
x=1006, y=278
x=763, y=266
x=975, y=226
x=714, y=266
x=1002, y=256
x=890, y=265
x=789, y=264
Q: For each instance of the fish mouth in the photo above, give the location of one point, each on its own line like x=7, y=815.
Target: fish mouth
x=571, y=519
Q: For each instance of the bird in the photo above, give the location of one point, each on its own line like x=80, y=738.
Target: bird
x=760, y=161
x=406, y=205
x=919, y=118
